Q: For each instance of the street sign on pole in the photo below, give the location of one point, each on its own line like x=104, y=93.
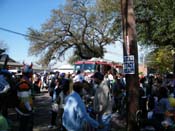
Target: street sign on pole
x=129, y=64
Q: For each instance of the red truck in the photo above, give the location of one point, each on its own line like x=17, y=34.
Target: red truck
x=97, y=64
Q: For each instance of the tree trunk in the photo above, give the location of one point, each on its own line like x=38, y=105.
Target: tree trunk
x=130, y=49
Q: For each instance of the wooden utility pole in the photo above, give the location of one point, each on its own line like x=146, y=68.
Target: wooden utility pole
x=173, y=53
x=130, y=52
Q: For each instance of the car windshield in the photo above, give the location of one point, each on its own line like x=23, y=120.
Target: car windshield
x=85, y=67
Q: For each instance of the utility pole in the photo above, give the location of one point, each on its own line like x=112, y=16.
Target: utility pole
x=130, y=51
x=173, y=54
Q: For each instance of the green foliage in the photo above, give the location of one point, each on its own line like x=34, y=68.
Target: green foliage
x=156, y=27
x=108, y=6
x=161, y=59
x=111, y=9
x=155, y=22
x=154, y=18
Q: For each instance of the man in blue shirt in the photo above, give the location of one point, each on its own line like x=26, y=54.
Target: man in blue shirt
x=75, y=115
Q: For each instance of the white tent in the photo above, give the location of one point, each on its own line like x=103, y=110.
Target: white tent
x=65, y=68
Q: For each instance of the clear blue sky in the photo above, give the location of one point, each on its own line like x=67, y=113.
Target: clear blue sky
x=19, y=15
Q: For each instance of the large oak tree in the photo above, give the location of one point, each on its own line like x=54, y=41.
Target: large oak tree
x=78, y=26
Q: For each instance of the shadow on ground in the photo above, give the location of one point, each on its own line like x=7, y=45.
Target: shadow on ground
x=42, y=114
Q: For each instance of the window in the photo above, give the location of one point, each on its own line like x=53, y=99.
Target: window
x=85, y=67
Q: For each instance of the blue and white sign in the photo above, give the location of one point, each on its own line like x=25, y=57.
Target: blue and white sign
x=129, y=65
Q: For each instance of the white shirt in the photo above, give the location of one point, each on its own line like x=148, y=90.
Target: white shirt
x=78, y=78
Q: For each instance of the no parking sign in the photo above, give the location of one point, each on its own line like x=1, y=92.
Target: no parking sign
x=129, y=64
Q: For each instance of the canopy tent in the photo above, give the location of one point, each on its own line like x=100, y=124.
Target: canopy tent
x=64, y=68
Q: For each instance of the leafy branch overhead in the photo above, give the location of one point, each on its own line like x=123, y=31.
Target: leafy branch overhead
x=155, y=22
x=78, y=27
x=156, y=26
x=161, y=59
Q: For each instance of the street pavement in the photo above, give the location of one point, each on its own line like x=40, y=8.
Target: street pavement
x=42, y=114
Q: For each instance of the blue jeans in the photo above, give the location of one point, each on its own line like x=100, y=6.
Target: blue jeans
x=105, y=121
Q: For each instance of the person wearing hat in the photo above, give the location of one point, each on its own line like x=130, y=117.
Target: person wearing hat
x=25, y=99
x=102, y=101
x=75, y=115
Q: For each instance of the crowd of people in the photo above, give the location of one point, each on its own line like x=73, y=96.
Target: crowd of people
x=70, y=96
x=157, y=101
x=19, y=95
x=79, y=100
x=88, y=102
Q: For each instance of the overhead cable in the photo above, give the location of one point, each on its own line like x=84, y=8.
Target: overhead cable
x=14, y=32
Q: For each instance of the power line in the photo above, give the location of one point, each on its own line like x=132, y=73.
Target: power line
x=21, y=34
